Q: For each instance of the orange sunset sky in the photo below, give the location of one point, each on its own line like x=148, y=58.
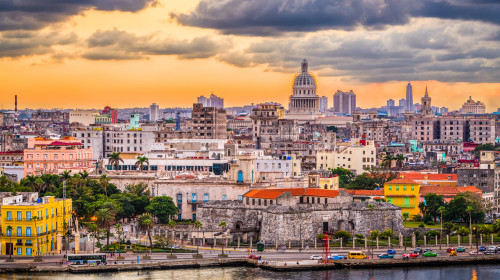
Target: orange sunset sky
x=133, y=53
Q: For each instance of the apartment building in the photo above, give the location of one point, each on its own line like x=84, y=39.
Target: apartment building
x=208, y=122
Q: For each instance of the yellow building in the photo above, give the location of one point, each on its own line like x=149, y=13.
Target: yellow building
x=404, y=193
x=28, y=234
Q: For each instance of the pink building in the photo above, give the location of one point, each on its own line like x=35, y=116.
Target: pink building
x=47, y=156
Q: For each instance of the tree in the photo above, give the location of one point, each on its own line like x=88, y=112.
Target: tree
x=65, y=176
x=171, y=225
x=448, y=228
x=386, y=233
x=463, y=231
x=140, y=163
x=469, y=210
x=374, y=234
x=93, y=229
x=406, y=216
x=363, y=182
x=431, y=205
x=223, y=225
x=9, y=231
x=441, y=211
x=387, y=161
x=119, y=233
x=145, y=222
x=197, y=224
x=105, y=218
x=484, y=147
x=342, y=234
x=163, y=208
x=104, y=181
x=400, y=160
x=332, y=128
x=114, y=160
x=345, y=176
x=431, y=233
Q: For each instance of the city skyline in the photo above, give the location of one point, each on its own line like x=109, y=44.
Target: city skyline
x=139, y=52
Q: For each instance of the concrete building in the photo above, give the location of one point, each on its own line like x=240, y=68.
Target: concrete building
x=154, y=112
x=473, y=107
x=482, y=177
x=358, y=157
x=287, y=166
x=47, y=156
x=211, y=101
x=323, y=104
x=209, y=122
x=84, y=117
x=409, y=97
x=265, y=119
x=344, y=102
x=22, y=235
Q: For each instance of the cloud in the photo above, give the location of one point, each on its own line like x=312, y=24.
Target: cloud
x=428, y=49
x=121, y=45
x=37, y=14
x=264, y=17
x=15, y=44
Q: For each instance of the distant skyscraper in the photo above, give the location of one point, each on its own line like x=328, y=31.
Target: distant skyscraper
x=212, y=101
x=409, y=97
x=344, y=102
x=154, y=112
x=390, y=102
x=323, y=104
x=402, y=103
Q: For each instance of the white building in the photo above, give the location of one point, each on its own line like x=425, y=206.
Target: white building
x=84, y=117
x=288, y=166
x=211, y=101
x=357, y=158
x=323, y=104
x=154, y=112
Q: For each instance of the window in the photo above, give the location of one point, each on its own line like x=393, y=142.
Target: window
x=28, y=250
x=404, y=188
x=240, y=197
x=397, y=188
x=9, y=215
x=406, y=201
x=28, y=232
x=390, y=187
x=389, y=199
x=19, y=231
x=9, y=232
x=193, y=198
x=224, y=197
x=205, y=197
x=179, y=198
x=19, y=215
x=412, y=188
x=19, y=251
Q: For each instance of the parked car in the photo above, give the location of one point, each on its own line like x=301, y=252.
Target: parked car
x=315, y=257
x=492, y=248
x=386, y=256
x=410, y=255
x=482, y=248
x=489, y=252
x=474, y=253
x=461, y=249
x=498, y=249
x=430, y=254
x=417, y=250
x=335, y=257
x=391, y=251
x=427, y=250
x=450, y=249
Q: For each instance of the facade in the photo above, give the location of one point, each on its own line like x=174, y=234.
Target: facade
x=287, y=166
x=84, y=117
x=409, y=97
x=46, y=156
x=357, y=158
x=304, y=99
x=113, y=113
x=11, y=158
x=211, y=101
x=473, y=107
x=405, y=194
x=344, y=102
x=323, y=104
x=265, y=119
x=209, y=122
x=154, y=112
x=30, y=236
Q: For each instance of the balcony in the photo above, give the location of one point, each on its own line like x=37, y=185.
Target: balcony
x=28, y=244
x=19, y=243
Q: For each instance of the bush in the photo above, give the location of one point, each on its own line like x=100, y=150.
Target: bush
x=359, y=236
x=418, y=218
x=432, y=233
x=430, y=223
x=421, y=225
x=342, y=234
x=427, y=219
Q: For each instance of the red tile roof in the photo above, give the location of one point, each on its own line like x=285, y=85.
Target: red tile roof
x=366, y=192
x=59, y=143
x=402, y=181
x=469, y=189
x=321, y=193
x=447, y=190
x=432, y=177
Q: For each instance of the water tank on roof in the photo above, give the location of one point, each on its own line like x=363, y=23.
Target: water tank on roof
x=39, y=200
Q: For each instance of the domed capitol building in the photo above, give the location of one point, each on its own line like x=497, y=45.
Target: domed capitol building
x=304, y=102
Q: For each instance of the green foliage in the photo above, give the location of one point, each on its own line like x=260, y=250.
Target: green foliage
x=485, y=147
x=456, y=209
x=374, y=234
x=431, y=233
x=345, y=176
x=332, y=128
x=163, y=208
x=363, y=182
x=386, y=233
x=448, y=228
x=342, y=234
x=430, y=208
x=421, y=225
x=463, y=231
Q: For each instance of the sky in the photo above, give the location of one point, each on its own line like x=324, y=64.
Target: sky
x=131, y=53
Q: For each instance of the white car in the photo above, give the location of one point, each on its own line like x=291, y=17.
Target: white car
x=315, y=257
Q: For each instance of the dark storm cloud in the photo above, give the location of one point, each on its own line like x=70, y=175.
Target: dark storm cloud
x=26, y=43
x=270, y=17
x=36, y=14
x=120, y=45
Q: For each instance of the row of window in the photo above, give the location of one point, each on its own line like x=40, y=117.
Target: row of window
x=19, y=230
x=404, y=188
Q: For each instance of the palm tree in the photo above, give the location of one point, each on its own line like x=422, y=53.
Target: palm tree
x=145, y=222
x=65, y=176
x=119, y=232
x=104, y=180
x=84, y=174
x=197, y=224
x=171, y=225
x=92, y=228
x=441, y=210
x=114, y=160
x=105, y=218
x=406, y=216
x=400, y=159
x=469, y=210
x=140, y=163
x=387, y=161
x=29, y=181
x=9, y=230
x=222, y=224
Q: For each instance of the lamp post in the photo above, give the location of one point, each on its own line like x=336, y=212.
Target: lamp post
x=477, y=244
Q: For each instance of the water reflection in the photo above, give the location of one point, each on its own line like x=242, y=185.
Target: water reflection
x=432, y=273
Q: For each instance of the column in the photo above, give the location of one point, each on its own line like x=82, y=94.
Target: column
x=316, y=243
x=470, y=240
x=289, y=244
x=458, y=240
x=401, y=240
x=377, y=242
x=436, y=237
x=491, y=239
x=354, y=243
x=447, y=240
x=413, y=240
x=238, y=242
x=302, y=244
x=340, y=243
x=59, y=243
x=389, y=241
x=425, y=240
x=77, y=243
x=251, y=241
x=481, y=239
x=366, y=243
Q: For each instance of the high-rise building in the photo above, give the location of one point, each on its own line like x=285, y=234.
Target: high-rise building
x=323, y=104
x=409, y=97
x=390, y=102
x=402, y=103
x=473, y=107
x=211, y=101
x=344, y=102
x=304, y=99
x=426, y=109
x=154, y=112
x=209, y=122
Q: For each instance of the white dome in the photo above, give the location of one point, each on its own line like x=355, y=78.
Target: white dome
x=304, y=83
